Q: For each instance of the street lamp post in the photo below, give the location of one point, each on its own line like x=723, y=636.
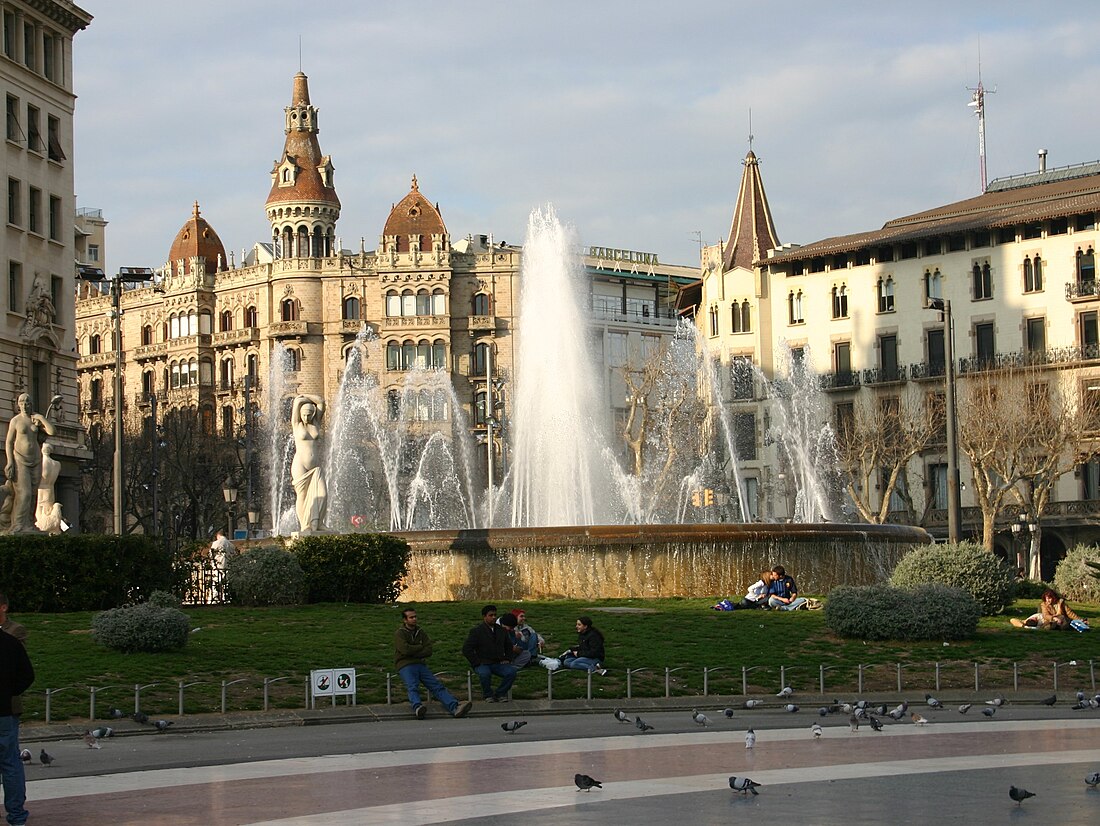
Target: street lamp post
x=248, y=448
x=154, y=435
x=229, y=491
x=954, y=508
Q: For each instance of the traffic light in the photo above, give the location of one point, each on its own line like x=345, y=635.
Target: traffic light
x=708, y=497
x=696, y=498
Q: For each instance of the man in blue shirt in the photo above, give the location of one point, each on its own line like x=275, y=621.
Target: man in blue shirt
x=783, y=591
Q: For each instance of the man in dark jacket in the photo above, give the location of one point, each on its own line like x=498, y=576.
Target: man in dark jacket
x=16, y=676
x=488, y=647
x=411, y=647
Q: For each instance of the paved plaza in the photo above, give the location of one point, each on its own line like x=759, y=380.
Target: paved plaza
x=400, y=770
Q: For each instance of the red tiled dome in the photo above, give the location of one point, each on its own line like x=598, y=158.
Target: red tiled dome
x=414, y=215
x=197, y=237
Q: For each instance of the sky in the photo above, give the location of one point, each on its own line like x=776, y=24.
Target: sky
x=631, y=118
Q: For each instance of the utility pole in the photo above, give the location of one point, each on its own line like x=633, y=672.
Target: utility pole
x=489, y=421
x=155, y=436
x=954, y=508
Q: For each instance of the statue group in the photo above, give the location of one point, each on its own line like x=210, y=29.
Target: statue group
x=30, y=473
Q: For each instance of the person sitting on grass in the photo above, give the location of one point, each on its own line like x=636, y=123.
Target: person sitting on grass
x=1053, y=614
x=783, y=592
x=589, y=654
x=755, y=597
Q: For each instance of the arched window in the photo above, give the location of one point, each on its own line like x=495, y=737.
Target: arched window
x=713, y=321
x=173, y=327
x=164, y=331
x=193, y=372
x=408, y=355
x=408, y=303
x=481, y=358
x=983, y=282
x=253, y=368
x=439, y=302
x=176, y=379
x=423, y=354
x=94, y=345
x=146, y=335
x=442, y=410
x=226, y=321
x=933, y=284
x=206, y=324
x=424, y=406
x=148, y=383
x=735, y=317
x=840, y=302
x=302, y=249
x=886, y=295
x=746, y=322
x=479, y=408
x=393, y=405
x=294, y=359
x=1038, y=273
x=251, y=317
x=393, y=304
x=227, y=420
x=288, y=309
x=227, y=374
x=423, y=303
x=351, y=308
x=439, y=355
x=318, y=243
x=393, y=356
x=1086, y=266
x=96, y=394
x=482, y=305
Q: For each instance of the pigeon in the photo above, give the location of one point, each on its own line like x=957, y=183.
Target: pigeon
x=846, y=708
x=162, y=725
x=513, y=726
x=25, y=755
x=815, y=730
x=965, y=707
x=823, y=712
x=642, y=725
x=876, y=725
x=1049, y=701
x=586, y=783
x=621, y=716
x=860, y=713
x=861, y=704
x=103, y=731
x=996, y=701
x=700, y=718
x=45, y=757
x=750, y=739
x=920, y=721
x=989, y=712
x=1094, y=702
x=786, y=691
x=1080, y=696
x=115, y=713
x=1093, y=779
x=1019, y=795
x=853, y=722
x=728, y=712
x=139, y=717
x=753, y=703
x=744, y=785
x=791, y=707
x=932, y=701
x=896, y=713
x=881, y=710
x=1079, y=706
x=90, y=740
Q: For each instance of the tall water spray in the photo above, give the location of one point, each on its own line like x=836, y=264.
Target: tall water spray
x=559, y=474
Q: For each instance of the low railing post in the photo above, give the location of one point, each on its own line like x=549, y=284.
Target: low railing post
x=937, y=677
x=389, y=689
x=899, y=678
x=977, y=678
x=706, y=678
x=224, y=686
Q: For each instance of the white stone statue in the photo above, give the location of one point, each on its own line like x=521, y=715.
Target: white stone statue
x=26, y=432
x=305, y=472
x=48, y=513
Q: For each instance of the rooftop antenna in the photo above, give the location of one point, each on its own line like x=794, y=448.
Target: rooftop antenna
x=977, y=102
x=750, y=129
x=299, y=53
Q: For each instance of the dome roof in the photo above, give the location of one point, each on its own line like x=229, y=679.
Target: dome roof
x=197, y=237
x=309, y=177
x=414, y=215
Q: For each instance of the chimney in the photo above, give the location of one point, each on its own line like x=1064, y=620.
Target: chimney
x=1042, y=160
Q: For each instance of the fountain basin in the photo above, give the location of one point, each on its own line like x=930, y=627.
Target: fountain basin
x=627, y=561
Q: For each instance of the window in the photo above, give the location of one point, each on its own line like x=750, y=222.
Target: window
x=34, y=129
x=742, y=320
x=1090, y=479
x=794, y=308
x=55, y=218
x=1032, y=231
x=439, y=355
x=741, y=378
x=11, y=110
x=148, y=383
x=423, y=303
x=57, y=291
x=146, y=335
x=983, y=281
x=936, y=354
x=393, y=356
x=53, y=139
x=93, y=253
x=15, y=287
x=208, y=421
x=937, y=486
x=713, y=321
x=933, y=284
x=294, y=359
x=9, y=34
x=888, y=358
x=1085, y=222
x=481, y=359
x=225, y=321
x=616, y=349
x=96, y=394
x=1086, y=259
x=984, y=343
x=1035, y=333
x=251, y=317
x=886, y=295
x=752, y=499
x=227, y=420
x=288, y=309
x=1090, y=335
x=840, y=302
x=980, y=239
x=956, y=243
x=393, y=305
x=844, y=415
x=253, y=369
x=94, y=344
x=744, y=435
x=1006, y=235
x=226, y=378
x=482, y=305
x=1033, y=274
x=351, y=308
x=439, y=302
x=28, y=46
x=34, y=209
x=842, y=357
x=14, y=207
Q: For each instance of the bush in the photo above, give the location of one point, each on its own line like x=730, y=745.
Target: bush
x=882, y=612
x=989, y=580
x=1075, y=580
x=267, y=575
x=145, y=627
x=83, y=572
x=352, y=567
x=1029, y=588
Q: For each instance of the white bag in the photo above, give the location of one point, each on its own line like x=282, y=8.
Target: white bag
x=550, y=663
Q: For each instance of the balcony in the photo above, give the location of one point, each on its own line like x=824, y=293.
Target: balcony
x=188, y=342
x=482, y=323
x=406, y=322
x=282, y=329
x=643, y=317
x=96, y=360
x=882, y=375
x=150, y=351
x=844, y=380
x=1030, y=358
x=351, y=325
x=1082, y=290
x=927, y=370
x=244, y=335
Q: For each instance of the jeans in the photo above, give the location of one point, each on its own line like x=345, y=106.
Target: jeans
x=415, y=674
x=506, y=672
x=796, y=603
x=581, y=663
x=15, y=783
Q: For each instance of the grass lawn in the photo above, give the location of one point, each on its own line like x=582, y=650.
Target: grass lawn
x=253, y=643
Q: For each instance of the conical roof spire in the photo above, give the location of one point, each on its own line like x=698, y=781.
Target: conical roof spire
x=302, y=174
x=752, y=232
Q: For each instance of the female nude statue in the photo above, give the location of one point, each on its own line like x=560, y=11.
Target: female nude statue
x=305, y=472
x=26, y=432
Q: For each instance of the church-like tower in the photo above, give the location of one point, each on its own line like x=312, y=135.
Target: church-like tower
x=752, y=232
x=303, y=206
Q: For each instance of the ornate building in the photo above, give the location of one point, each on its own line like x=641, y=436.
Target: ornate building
x=37, y=335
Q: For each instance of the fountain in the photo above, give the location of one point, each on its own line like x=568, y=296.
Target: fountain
x=579, y=524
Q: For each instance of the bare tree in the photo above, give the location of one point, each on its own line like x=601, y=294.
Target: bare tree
x=876, y=439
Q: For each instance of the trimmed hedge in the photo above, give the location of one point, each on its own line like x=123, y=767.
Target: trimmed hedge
x=145, y=627
x=882, y=612
x=82, y=572
x=358, y=567
x=1074, y=578
x=989, y=581
x=265, y=575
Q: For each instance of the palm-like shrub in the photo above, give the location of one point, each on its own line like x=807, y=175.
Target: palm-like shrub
x=988, y=580
x=1075, y=579
x=882, y=612
x=267, y=575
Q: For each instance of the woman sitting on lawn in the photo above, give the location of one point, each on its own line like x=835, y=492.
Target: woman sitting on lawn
x=1053, y=614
